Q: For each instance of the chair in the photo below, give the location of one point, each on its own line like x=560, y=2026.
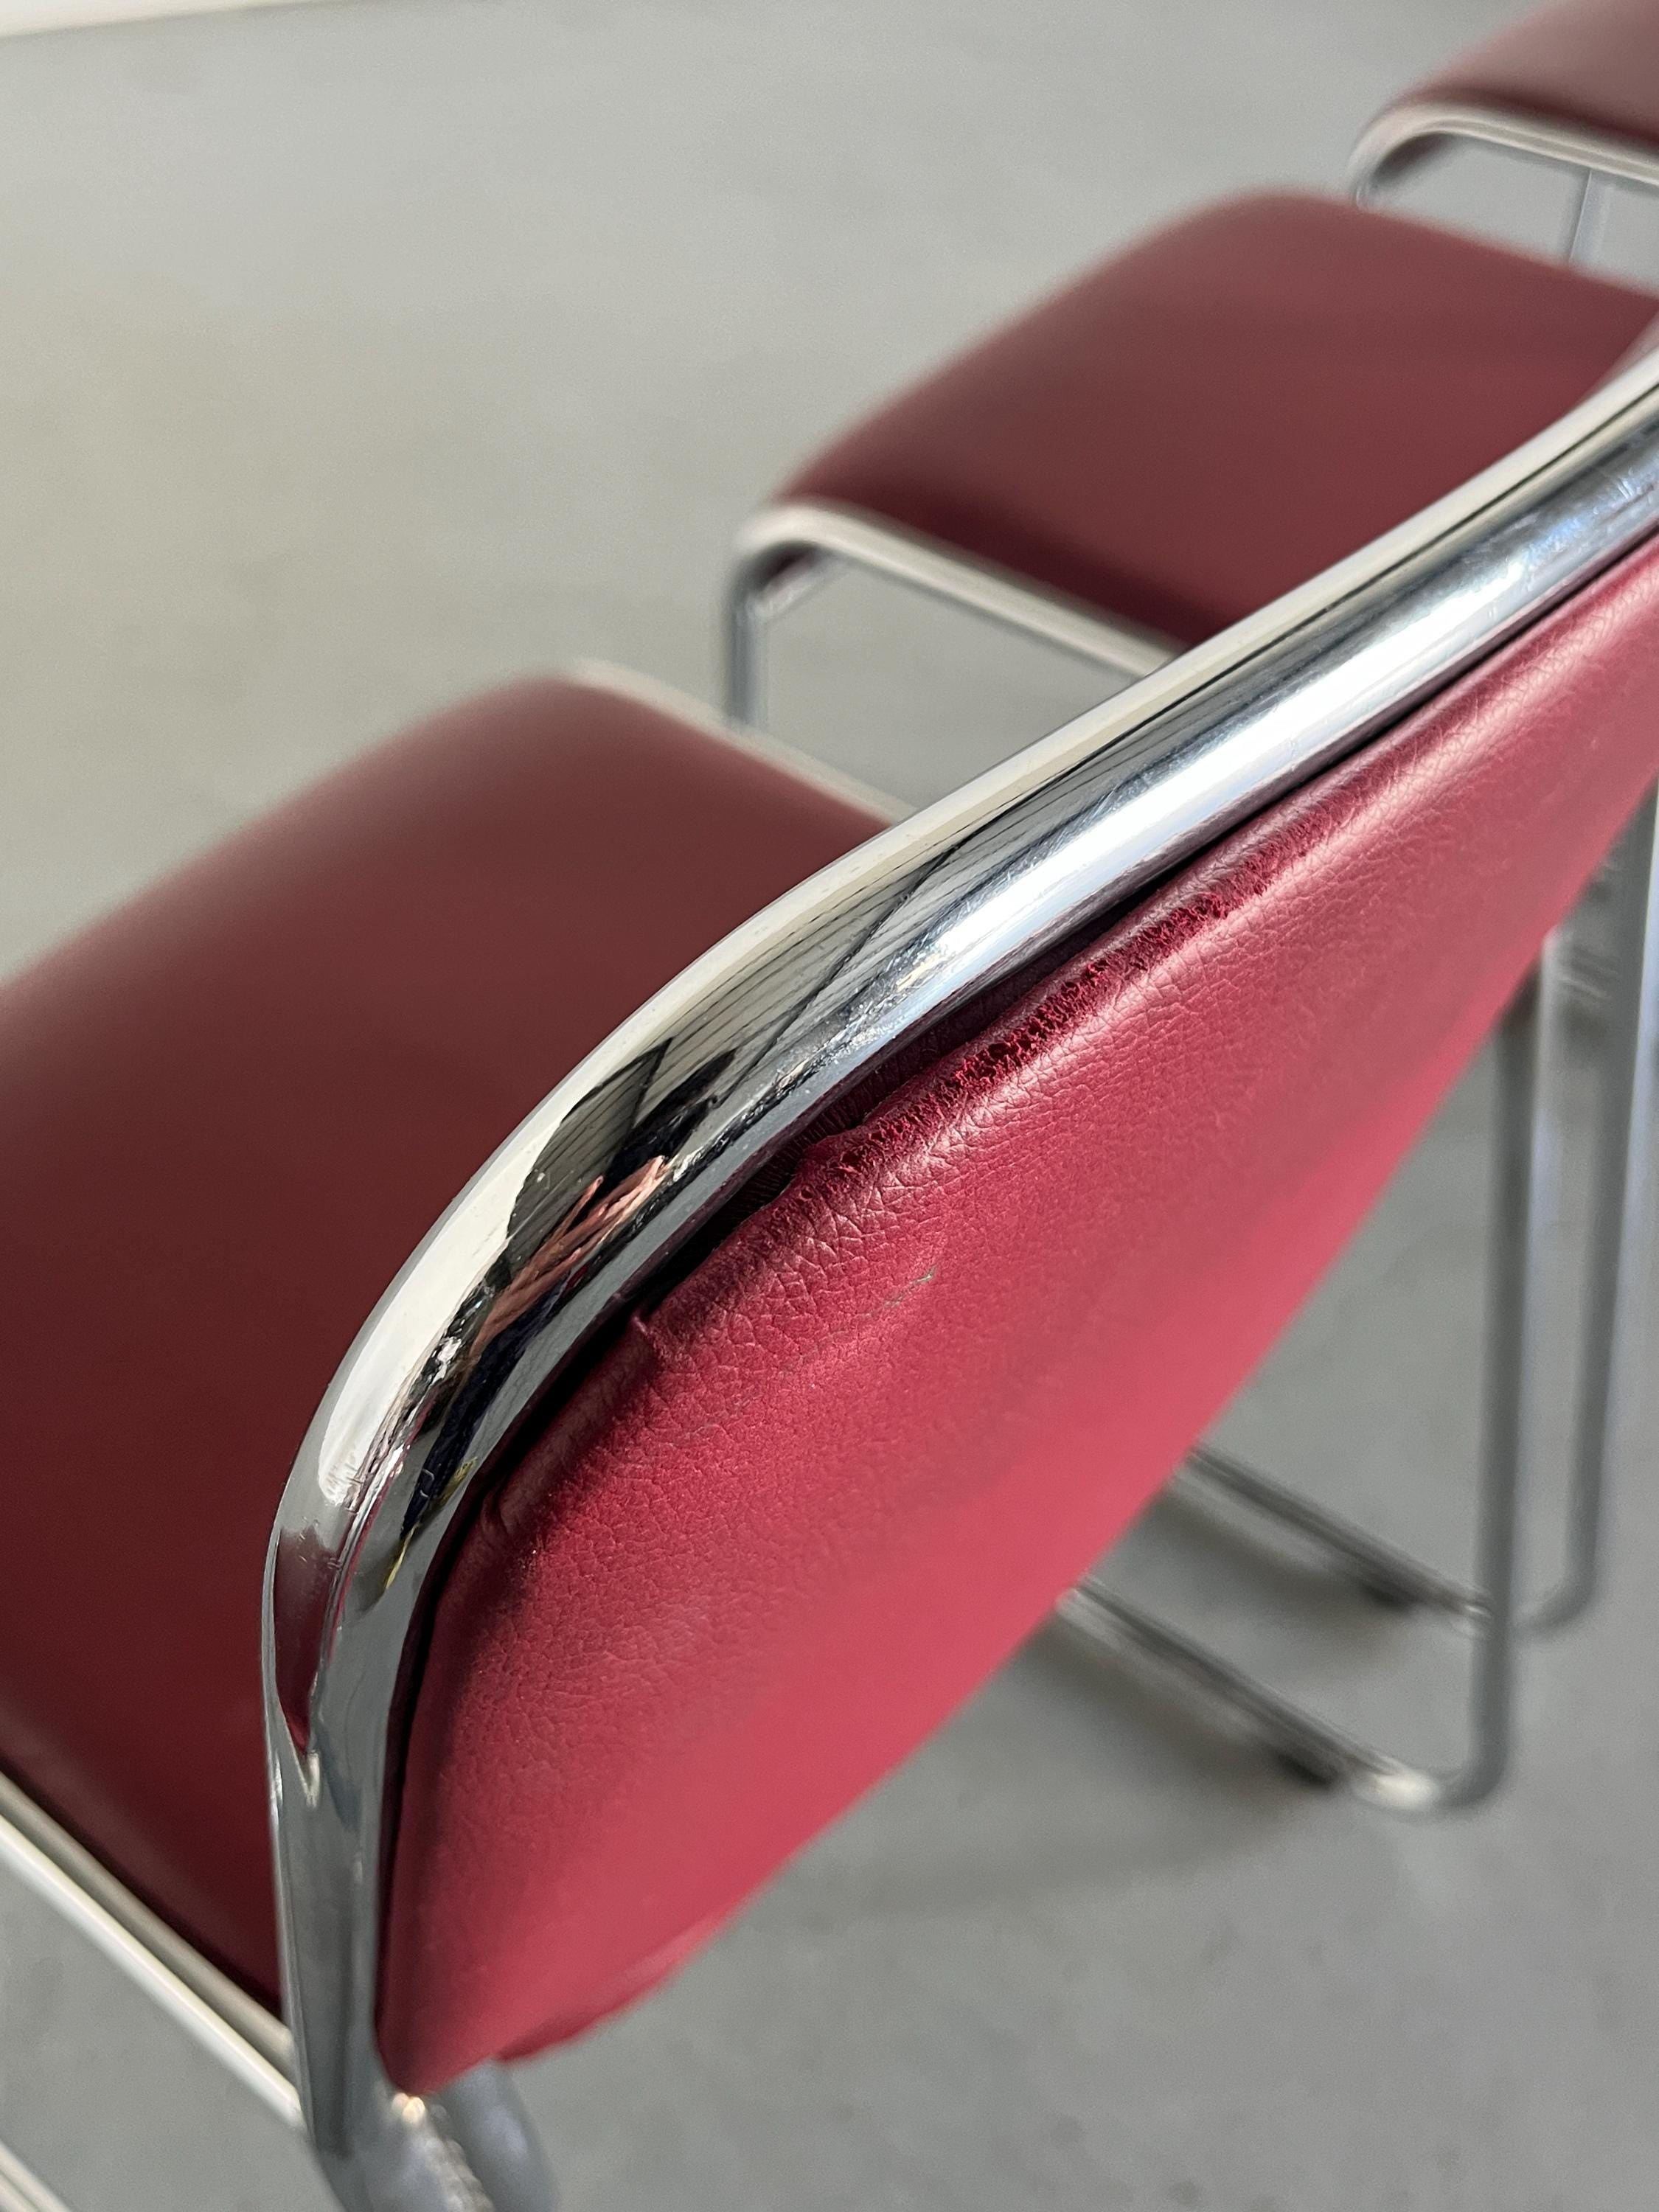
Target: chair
x=1575, y=87
x=830, y=1312
x=229, y=1113
x=1190, y=430
x=1187, y=431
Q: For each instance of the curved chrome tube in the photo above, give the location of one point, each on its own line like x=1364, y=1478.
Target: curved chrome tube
x=665, y=1121
x=1403, y=135
x=783, y=553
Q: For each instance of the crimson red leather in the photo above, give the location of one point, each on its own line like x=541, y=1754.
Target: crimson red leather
x=1225, y=410
x=806, y=1504
x=227, y=1115
x=1595, y=63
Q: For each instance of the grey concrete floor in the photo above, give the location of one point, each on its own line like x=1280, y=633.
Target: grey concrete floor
x=354, y=356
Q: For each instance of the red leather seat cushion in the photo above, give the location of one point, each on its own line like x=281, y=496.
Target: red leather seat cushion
x=1220, y=413
x=1592, y=62
x=810, y=1502
x=227, y=1116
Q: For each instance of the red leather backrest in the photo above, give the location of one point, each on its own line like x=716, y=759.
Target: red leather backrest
x=803, y=1507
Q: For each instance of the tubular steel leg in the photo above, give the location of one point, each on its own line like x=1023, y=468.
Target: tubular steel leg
x=1623, y=1149
x=1301, y=1737
x=1555, y=989
x=1385, y=1573
x=761, y=587
x=742, y=689
x=1589, y=218
x=744, y=647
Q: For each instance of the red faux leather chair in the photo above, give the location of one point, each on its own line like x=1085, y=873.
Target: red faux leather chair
x=819, y=1325
x=1575, y=87
x=1183, y=435
x=813, y=1325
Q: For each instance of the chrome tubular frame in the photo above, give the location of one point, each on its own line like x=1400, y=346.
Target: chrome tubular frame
x=1402, y=137
x=784, y=553
x=1620, y=1205
x=665, y=1121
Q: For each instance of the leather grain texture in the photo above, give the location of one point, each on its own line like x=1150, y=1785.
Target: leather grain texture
x=228, y=1114
x=1592, y=62
x=1221, y=412
x=808, y=1503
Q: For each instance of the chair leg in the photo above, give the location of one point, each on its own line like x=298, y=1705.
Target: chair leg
x=741, y=692
x=1623, y=1157
x=1295, y=1733
x=1588, y=217
x=785, y=553
x=743, y=638
x=763, y=585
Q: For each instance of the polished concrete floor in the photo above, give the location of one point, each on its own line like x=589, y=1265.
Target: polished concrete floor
x=356, y=355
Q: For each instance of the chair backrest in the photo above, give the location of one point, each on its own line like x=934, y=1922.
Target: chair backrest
x=774, y=1380
x=805, y=1503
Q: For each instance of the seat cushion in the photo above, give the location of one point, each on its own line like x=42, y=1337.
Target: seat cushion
x=1218, y=414
x=228, y=1114
x=813, y=1496
x=1592, y=63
